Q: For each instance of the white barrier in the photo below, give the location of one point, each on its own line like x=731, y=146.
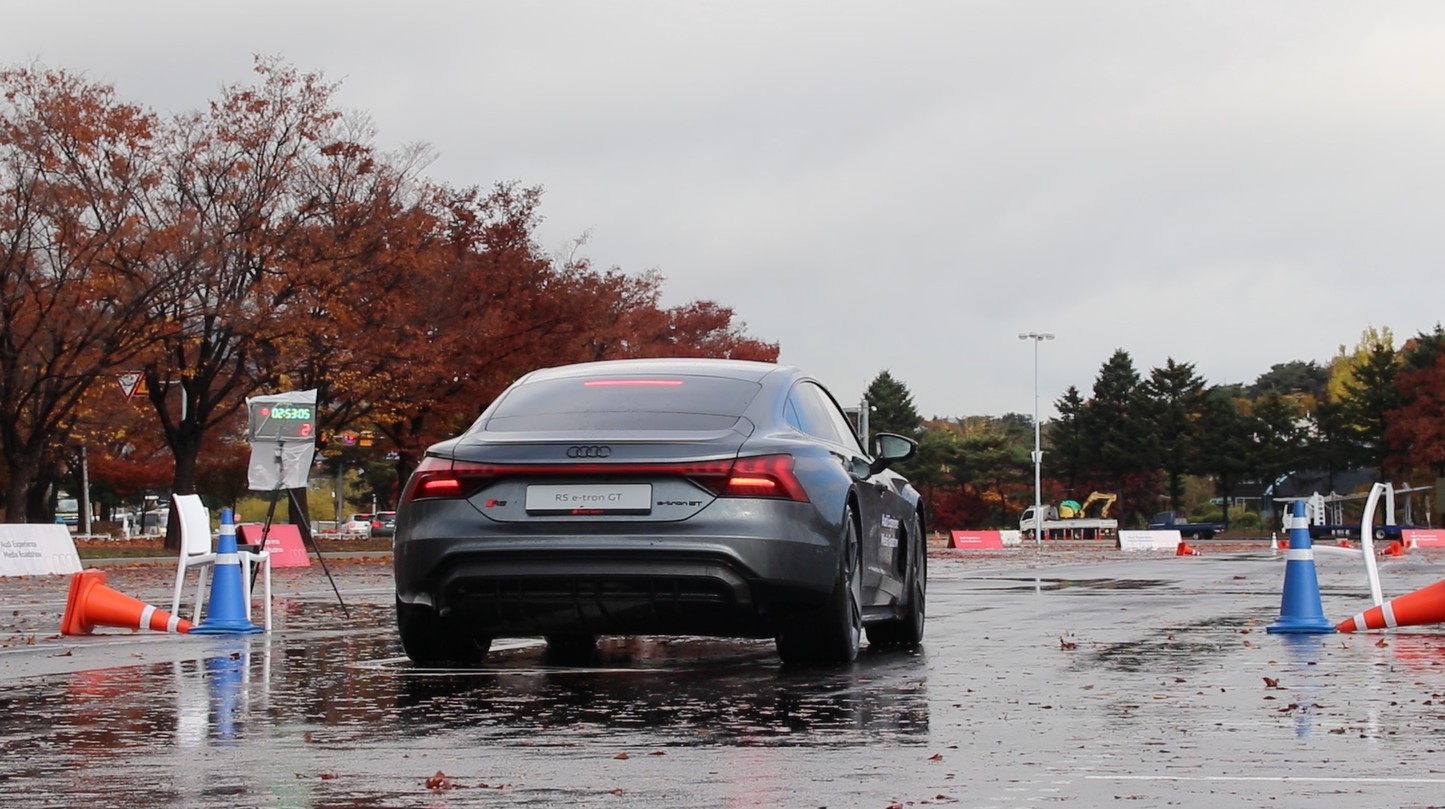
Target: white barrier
x=1149, y=540
x=37, y=549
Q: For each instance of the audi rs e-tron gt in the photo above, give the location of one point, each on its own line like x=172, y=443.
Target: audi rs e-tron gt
x=703, y=497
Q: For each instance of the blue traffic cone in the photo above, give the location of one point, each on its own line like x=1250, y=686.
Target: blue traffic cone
x=1300, y=610
x=226, y=609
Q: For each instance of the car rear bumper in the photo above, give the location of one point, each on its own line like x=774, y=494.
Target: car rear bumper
x=678, y=578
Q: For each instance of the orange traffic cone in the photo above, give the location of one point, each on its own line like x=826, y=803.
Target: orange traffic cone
x=1185, y=550
x=1424, y=606
x=1395, y=549
x=1344, y=543
x=92, y=604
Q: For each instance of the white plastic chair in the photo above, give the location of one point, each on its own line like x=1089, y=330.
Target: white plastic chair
x=198, y=551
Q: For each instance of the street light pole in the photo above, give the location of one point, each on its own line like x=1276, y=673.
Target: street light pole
x=1037, y=337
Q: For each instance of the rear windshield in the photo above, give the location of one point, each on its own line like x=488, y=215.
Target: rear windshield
x=638, y=402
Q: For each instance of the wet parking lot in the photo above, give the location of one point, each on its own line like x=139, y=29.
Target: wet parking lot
x=1087, y=678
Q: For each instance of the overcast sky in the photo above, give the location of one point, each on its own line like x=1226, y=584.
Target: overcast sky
x=902, y=186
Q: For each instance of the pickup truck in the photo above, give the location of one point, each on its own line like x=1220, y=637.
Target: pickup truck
x=1056, y=527
x=1169, y=521
x=1381, y=532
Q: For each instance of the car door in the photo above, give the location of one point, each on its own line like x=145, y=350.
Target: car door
x=884, y=511
x=825, y=419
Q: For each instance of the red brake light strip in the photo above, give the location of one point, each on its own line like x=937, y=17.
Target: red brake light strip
x=767, y=476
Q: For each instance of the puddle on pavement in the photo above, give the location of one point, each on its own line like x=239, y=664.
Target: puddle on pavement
x=272, y=696
x=1085, y=585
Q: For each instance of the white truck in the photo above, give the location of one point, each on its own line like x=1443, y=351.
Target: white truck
x=1056, y=527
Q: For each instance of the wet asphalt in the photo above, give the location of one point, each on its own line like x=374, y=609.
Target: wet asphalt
x=1080, y=677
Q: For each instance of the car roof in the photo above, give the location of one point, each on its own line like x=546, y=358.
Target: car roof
x=738, y=369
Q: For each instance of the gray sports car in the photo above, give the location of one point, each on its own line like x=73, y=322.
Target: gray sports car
x=660, y=497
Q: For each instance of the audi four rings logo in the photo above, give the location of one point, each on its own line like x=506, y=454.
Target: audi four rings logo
x=589, y=452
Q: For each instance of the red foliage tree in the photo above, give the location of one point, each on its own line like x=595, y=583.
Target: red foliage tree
x=1415, y=431
x=74, y=288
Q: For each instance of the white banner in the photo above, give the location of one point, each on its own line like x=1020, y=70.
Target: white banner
x=37, y=549
x=1149, y=540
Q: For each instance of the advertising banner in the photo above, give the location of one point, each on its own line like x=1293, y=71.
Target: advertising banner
x=975, y=540
x=1149, y=540
x=37, y=549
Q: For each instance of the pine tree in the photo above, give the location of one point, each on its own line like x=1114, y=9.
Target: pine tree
x=1120, y=434
x=1225, y=448
x=1067, y=444
x=1174, y=397
x=892, y=408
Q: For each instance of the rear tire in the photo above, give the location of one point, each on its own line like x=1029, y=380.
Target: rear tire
x=907, y=629
x=832, y=633
x=429, y=639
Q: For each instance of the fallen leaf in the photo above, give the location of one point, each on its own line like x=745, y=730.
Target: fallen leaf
x=1067, y=645
x=439, y=781
x=936, y=757
x=621, y=757
x=1270, y=682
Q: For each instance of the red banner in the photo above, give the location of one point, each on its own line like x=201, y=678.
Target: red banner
x=283, y=541
x=975, y=540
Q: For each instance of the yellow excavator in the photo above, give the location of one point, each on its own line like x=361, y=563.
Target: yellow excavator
x=1095, y=507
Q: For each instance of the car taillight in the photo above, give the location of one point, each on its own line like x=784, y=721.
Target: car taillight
x=764, y=476
x=439, y=477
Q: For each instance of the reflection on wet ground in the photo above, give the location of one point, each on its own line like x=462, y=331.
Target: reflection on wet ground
x=687, y=692
x=1147, y=681
x=323, y=704
x=1040, y=584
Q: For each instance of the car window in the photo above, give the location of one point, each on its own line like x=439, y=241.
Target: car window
x=810, y=405
x=634, y=401
x=841, y=424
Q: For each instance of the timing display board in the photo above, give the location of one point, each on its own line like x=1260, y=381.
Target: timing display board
x=285, y=420
x=283, y=440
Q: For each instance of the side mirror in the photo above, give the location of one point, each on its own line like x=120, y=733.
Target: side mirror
x=889, y=449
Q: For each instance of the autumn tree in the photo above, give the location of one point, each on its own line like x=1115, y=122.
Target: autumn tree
x=932, y=473
x=74, y=283
x=230, y=210
x=1366, y=393
x=1415, y=431
x=505, y=312
x=967, y=469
